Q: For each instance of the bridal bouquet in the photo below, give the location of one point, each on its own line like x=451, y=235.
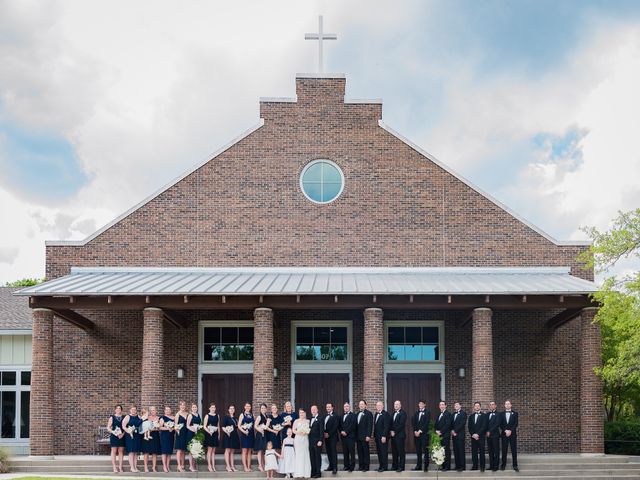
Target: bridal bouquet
x=196, y=445
x=247, y=426
x=178, y=427
x=228, y=429
x=212, y=429
x=303, y=428
x=288, y=419
x=131, y=430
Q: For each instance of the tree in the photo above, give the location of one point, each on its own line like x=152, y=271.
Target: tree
x=619, y=314
x=24, y=282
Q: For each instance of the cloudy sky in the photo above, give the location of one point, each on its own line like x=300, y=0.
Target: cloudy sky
x=103, y=102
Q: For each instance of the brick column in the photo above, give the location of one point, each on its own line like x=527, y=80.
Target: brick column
x=374, y=355
x=482, y=356
x=262, y=357
x=151, y=392
x=41, y=426
x=591, y=417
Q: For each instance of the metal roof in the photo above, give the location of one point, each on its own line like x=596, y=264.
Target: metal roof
x=313, y=281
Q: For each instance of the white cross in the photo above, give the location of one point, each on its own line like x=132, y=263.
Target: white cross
x=320, y=36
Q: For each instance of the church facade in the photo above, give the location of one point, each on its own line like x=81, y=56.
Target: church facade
x=319, y=257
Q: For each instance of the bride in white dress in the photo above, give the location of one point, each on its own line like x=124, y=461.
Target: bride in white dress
x=302, y=466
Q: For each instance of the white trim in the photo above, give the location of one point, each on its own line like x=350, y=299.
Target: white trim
x=77, y=243
x=479, y=190
x=8, y=332
x=321, y=75
x=279, y=99
x=309, y=165
x=327, y=366
x=377, y=101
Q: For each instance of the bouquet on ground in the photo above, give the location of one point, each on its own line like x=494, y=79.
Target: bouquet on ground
x=212, y=429
x=131, y=430
x=196, y=445
x=436, y=450
x=178, y=427
x=228, y=429
x=303, y=428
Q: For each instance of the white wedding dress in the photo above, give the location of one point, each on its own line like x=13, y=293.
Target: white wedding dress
x=302, y=466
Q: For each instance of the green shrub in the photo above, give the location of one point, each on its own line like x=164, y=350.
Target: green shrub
x=4, y=461
x=622, y=437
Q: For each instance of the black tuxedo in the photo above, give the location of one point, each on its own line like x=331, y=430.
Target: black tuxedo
x=398, y=424
x=315, y=451
x=493, y=439
x=363, y=430
x=381, y=426
x=420, y=422
x=512, y=440
x=348, y=426
x=443, y=425
x=477, y=425
x=331, y=423
x=459, y=426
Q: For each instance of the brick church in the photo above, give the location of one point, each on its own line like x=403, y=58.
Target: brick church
x=318, y=257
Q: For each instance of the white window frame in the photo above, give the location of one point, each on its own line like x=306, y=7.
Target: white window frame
x=18, y=388
x=309, y=165
x=324, y=366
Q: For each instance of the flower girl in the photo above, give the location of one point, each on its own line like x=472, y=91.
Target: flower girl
x=288, y=459
x=271, y=460
x=147, y=425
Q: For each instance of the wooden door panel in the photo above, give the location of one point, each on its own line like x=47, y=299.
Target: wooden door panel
x=225, y=389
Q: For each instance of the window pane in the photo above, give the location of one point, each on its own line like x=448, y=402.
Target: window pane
x=24, y=414
x=339, y=335
x=330, y=174
x=313, y=173
x=413, y=335
x=412, y=353
x=245, y=335
x=321, y=335
x=325, y=352
x=430, y=334
x=8, y=378
x=396, y=335
x=339, y=352
x=212, y=335
x=8, y=409
x=396, y=352
x=305, y=335
x=229, y=335
x=430, y=352
x=25, y=378
x=212, y=352
x=229, y=352
x=304, y=352
x=330, y=191
x=313, y=191
x=245, y=352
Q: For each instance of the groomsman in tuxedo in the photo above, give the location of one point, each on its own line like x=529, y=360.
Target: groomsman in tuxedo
x=477, y=430
x=331, y=423
x=315, y=442
x=493, y=436
x=348, y=438
x=443, y=429
x=381, y=426
x=420, y=425
x=458, y=428
x=363, y=431
x=398, y=435
x=509, y=427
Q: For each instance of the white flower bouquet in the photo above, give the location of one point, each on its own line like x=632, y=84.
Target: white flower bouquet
x=196, y=450
x=212, y=429
x=131, y=430
x=228, y=430
x=198, y=427
x=437, y=455
x=169, y=425
x=303, y=429
x=261, y=428
x=116, y=431
x=277, y=428
x=178, y=427
x=155, y=425
x=247, y=426
x=288, y=419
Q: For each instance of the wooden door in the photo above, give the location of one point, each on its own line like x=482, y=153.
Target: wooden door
x=320, y=388
x=409, y=388
x=226, y=389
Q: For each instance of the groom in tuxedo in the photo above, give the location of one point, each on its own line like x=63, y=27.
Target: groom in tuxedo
x=363, y=435
x=331, y=422
x=348, y=438
x=509, y=427
x=398, y=436
x=381, y=426
x=315, y=442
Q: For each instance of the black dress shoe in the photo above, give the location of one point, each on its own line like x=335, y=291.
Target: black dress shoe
x=380, y=470
x=417, y=467
x=328, y=469
x=482, y=470
x=502, y=467
x=474, y=468
x=516, y=468
x=494, y=469
x=399, y=470
x=334, y=472
x=350, y=470
x=445, y=469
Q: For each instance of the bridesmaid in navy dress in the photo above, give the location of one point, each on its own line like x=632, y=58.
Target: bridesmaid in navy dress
x=246, y=436
x=194, y=423
x=211, y=439
x=114, y=424
x=152, y=446
x=132, y=439
x=273, y=434
x=260, y=442
x=230, y=441
x=287, y=423
x=166, y=438
x=181, y=434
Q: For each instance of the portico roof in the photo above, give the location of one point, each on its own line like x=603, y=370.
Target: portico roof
x=276, y=281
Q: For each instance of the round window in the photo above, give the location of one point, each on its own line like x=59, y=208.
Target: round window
x=322, y=181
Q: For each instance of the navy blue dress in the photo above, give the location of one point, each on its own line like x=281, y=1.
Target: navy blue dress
x=294, y=417
x=152, y=446
x=230, y=441
x=195, y=420
x=181, y=437
x=212, y=440
x=272, y=437
x=260, y=442
x=246, y=441
x=166, y=438
x=133, y=445
x=116, y=422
